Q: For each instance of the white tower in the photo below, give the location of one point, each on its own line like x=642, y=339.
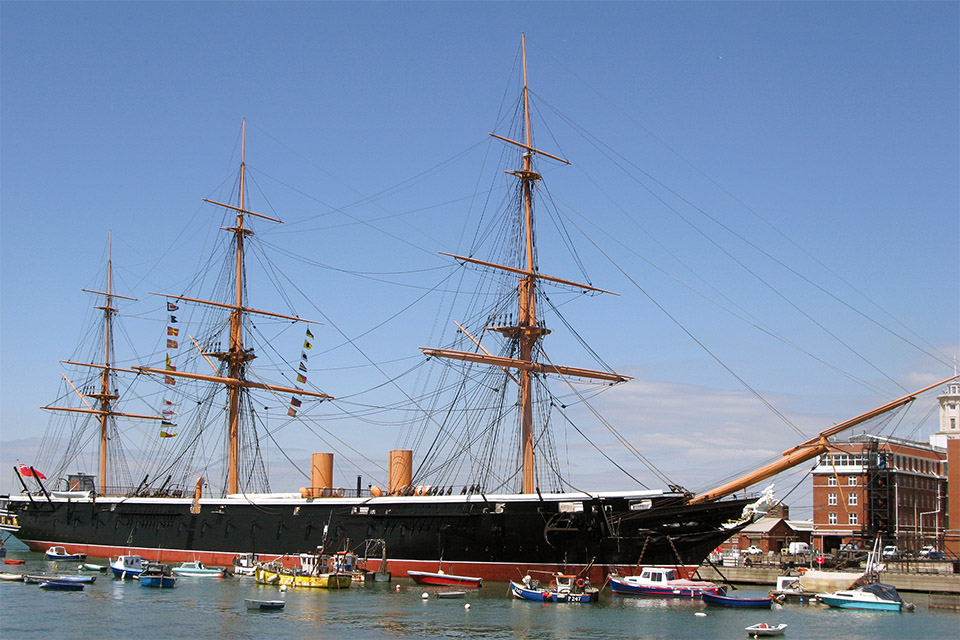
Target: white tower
x=949, y=416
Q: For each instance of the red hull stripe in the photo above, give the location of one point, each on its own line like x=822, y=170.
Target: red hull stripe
x=492, y=571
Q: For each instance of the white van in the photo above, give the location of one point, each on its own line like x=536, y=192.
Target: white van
x=798, y=548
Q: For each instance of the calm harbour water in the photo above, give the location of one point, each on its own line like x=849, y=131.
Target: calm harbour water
x=209, y=608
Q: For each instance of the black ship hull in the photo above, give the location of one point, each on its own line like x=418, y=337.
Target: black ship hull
x=494, y=537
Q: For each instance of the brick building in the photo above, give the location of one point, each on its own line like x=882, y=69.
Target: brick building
x=875, y=485
x=770, y=534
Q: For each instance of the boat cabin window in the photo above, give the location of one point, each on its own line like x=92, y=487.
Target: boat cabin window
x=640, y=505
x=671, y=575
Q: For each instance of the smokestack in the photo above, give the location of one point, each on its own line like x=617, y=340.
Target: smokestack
x=321, y=472
x=400, y=470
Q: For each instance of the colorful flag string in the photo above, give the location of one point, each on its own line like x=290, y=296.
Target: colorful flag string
x=295, y=402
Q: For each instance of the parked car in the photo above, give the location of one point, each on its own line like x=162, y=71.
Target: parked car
x=891, y=551
x=936, y=555
x=927, y=550
x=752, y=550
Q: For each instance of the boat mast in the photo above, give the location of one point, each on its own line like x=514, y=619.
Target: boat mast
x=527, y=332
x=236, y=356
x=104, y=397
x=530, y=333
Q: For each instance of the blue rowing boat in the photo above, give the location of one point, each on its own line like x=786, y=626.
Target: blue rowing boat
x=728, y=601
x=62, y=586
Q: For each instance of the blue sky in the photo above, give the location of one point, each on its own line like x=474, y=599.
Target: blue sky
x=824, y=134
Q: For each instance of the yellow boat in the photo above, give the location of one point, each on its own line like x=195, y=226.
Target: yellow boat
x=307, y=575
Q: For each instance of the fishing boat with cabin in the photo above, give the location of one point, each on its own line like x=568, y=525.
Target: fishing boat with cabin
x=315, y=571
x=564, y=588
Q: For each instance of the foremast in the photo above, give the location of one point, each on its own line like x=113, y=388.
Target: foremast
x=236, y=356
x=527, y=331
x=105, y=398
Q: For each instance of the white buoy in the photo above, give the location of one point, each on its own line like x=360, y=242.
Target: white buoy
x=466, y=606
x=700, y=614
x=283, y=587
x=424, y=595
x=398, y=587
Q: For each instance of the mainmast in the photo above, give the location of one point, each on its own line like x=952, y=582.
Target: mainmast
x=236, y=356
x=527, y=332
x=530, y=333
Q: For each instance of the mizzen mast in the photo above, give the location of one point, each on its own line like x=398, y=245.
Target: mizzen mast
x=527, y=332
x=105, y=397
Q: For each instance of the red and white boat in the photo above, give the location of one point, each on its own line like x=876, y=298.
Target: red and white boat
x=441, y=579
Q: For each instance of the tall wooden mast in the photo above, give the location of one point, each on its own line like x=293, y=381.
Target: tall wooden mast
x=530, y=333
x=104, y=397
x=236, y=356
x=527, y=332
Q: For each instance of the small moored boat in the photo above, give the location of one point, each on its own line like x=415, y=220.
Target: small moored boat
x=92, y=567
x=875, y=597
x=565, y=588
x=12, y=561
x=452, y=594
x=442, y=579
x=54, y=585
x=197, y=570
x=61, y=554
x=764, y=630
x=664, y=583
x=37, y=579
x=728, y=601
x=11, y=577
x=128, y=566
x=310, y=574
x=157, y=575
x=245, y=565
x=264, y=605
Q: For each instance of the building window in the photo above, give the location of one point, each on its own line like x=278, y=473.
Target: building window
x=831, y=518
x=852, y=481
x=852, y=518
x=831, y=499
x=852, y=499
x=832, y=481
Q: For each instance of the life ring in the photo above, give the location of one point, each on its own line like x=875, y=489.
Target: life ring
x=581, y=582
x=339, y=492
